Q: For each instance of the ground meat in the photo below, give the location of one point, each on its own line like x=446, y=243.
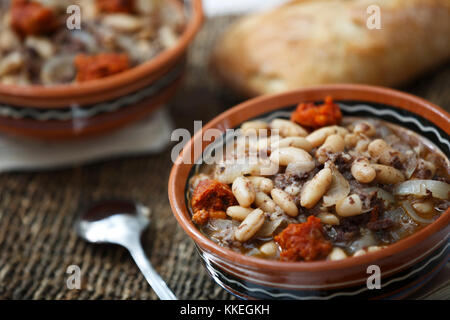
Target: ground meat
x=443, y=179
x=377, y=219
x=210, y=200
x=397, y=163
x=423, y=173
x=343, y=162
x=100, y=66
x=116, y=6
x=68, y=43
x=282, y=180
x=381, y=224
x=348, y=229
x=33, y=65
x=303, y=241
x=32, y=18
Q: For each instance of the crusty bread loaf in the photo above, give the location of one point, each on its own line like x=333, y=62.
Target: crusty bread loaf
x=311, y=42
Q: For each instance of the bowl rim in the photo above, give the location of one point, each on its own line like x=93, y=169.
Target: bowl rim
x=181, y=213
x=117, y=80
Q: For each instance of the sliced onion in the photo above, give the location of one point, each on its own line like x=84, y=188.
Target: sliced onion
x=411, y=164
x=338, y=190
x=269, y=227
x=392, y=139
x=382, y=194
x=413, y=214
x=367, y=239
x=126, y=43
x=254, y=252
x=384, y=132
x=87, y=39
x=226, y=173
x=221, y=224
x=58, y=69
x=438, y=189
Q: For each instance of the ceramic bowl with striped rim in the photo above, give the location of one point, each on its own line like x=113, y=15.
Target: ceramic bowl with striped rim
x=83, y=109
x=405, y=266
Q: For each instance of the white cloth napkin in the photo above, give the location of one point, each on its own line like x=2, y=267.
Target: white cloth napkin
x=150, y=135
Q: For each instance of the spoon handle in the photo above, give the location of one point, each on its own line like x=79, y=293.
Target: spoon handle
x=156, y=282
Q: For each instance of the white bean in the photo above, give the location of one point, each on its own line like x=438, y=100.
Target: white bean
x=251, y=224
x=255, y=125
x=363, y=171
x=8, y=39
x=359, y=253
x=238, y=213
x=333, y=143
x=243, y=191
x=328, y=218
x=285, y=156
x=365, y=128
x=265, y=167
x=337, y=254
x=297, y=142
x=42, y=46
x=228, y=172
x=385, y=153
x=318, y=137
x=269, y=249
x=315, y=188
x=349, y=206
x=362, y=145
x=11, y=63
x=263, y=144
x=168, y=36
x=373, y=248
x=387, y=174
x=145, y=7
x=284, y=201
x=287, y=128
x=123, y=22
x=377, y=147
x=351, y=140
x=261, y=184
x=300, y=168
x=265, y=202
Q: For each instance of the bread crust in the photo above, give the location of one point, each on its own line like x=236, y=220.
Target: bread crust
x=307, y=42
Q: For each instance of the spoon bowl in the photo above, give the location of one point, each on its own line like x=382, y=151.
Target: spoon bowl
x=113, y=222
x=122, y=222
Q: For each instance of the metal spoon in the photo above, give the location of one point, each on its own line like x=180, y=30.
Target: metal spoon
x=122, y=222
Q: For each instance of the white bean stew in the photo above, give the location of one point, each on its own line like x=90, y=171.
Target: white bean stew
x=50, y=42
x=321, y=187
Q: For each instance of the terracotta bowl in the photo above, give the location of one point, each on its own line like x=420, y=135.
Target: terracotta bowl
x=405, y=266
x=78, y=110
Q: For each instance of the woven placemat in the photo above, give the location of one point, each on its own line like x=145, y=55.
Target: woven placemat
x=37, y=210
